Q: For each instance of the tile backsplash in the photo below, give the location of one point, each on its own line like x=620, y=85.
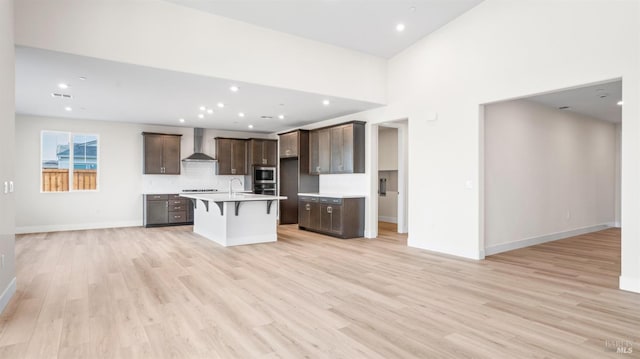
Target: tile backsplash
x=194, y=175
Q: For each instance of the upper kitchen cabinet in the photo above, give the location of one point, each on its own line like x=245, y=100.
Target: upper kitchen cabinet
x=337, y=149
x=320, y=151
x=232, y=156
x=289, y=144
x=263, y=152
x=161, y=153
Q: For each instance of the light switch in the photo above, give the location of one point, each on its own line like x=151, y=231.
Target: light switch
x=10, y=186
x=6, y=187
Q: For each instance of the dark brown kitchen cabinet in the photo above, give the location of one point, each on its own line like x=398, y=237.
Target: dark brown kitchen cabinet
x=294, y=175
x=320, y=151
x=232, y=156
x=309, y=213
x=263, y=152
x=161, y=153
x=337, y=149
x=167, y=210
x=338, y=217
x=289, y=144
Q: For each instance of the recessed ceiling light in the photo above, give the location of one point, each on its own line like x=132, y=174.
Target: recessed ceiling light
x=620, y=103
x=400, y=27
x=220, y=104
x=564, y=108
x=413, y=8
x=240, y=114
x=68, y=109
x=281, y=117
x=63, y=86
x=181, y=120
x=250, y=126
x=200, y=116
x=82, y=78
x=210, y=111
x=326, y=102
x=234, y=88
x=202, y=108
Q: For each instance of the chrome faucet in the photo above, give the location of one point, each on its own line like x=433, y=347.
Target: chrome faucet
x=231, y=192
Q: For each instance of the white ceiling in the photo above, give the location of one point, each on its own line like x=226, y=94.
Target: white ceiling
x=129, y=93
x=362, y=25
x=599, y=101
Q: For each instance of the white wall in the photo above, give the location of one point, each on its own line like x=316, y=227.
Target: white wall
x=387, y=149
x=503, y=50
x=118, y=202
x=164, y=35
x=7, y=163
x=548, y=174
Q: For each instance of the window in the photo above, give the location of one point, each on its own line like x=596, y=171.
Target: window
x=69, y=162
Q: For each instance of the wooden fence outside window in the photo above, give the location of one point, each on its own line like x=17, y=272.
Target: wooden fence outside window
x=57, y=180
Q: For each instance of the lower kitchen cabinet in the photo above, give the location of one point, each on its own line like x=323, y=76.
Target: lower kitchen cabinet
x=338, y=217
x=309, y=213
x=167, y=210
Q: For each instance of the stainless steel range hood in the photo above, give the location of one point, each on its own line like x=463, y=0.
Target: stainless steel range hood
x=198, y=155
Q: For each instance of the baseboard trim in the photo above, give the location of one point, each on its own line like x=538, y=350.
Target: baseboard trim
x=7, y=294
x=388, y=219
x=505, y=247
x=76, y=227
x=476, y=255
x=630, y=284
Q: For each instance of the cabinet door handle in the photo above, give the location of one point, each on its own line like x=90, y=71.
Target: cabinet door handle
x=307, y=207
x=329, y=209
x=318, y=169
x=166, y=204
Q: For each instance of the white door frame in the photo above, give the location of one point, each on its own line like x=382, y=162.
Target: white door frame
x=403, y=173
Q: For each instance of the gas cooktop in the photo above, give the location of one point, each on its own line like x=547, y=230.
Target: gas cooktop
x=200, y=190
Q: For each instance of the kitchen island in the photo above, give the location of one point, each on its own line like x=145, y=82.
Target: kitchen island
x=233, y=219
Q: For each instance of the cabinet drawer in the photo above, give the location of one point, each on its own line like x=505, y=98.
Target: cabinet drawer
x=331, y=200
x=177, y=208
x=177, y=217
x=308, y=199
x=175, y=196
x=177, y=202
x=157, y=197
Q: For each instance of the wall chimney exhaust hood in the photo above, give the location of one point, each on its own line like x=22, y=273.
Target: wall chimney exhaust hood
x=198, y=155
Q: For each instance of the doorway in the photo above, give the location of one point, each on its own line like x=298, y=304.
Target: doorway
x=551, y=166
x=391, y=179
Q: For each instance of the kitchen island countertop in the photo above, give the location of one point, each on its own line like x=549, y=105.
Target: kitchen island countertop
x=332, y=195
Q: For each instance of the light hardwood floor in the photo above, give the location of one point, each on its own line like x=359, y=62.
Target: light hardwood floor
x=156, y=293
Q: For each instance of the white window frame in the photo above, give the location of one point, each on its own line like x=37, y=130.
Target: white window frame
x=70, y=135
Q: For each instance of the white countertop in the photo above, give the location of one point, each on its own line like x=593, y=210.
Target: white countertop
x=180, y=192
x=227, y=197
x=332, y=195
